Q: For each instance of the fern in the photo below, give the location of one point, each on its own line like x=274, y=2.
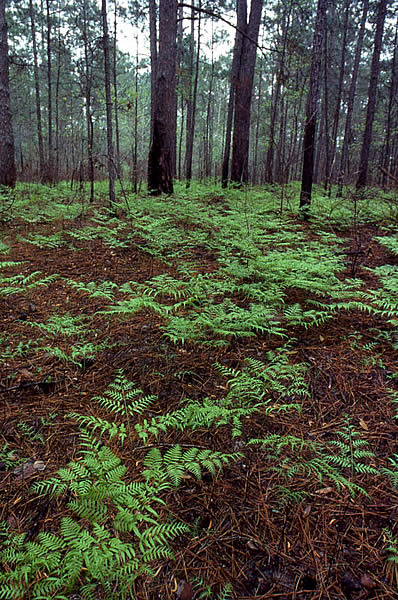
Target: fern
x=21, y=283
x=392, y=471
x=65, y=325
x=51, y=241
x=295, y=456
x=172, y=465
x=95, y=289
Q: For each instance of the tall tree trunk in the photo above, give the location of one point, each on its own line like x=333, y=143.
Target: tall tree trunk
x=269, y=165
x=389, y=120
x=57, y=126
x=7, y=159
x=336, y=117
x=370, y=113
x=191, y=131
x=243, y=96
x=241, y=12
x=115, y=93
x=257, y=131
x=135, y=145
x=37, y=91
x=208, y=150
x=50, y=149
x=89, y=117
x=109, y=132
x=189, y=86
x=351, y=98
x=153, y=37
x=161, y=159
x=312, y=106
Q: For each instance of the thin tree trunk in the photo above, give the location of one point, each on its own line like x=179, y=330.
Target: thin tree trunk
x=57, y=133
x=115, y=93
x=154, y=56
x=312, y=107
x=351, y=98
x=50, y=161
x=389, y=120
x=37, y=92
x=7, y=158
x=336, y=118
x=109, y=132
x=328, y=49
x=89, y=118
x=372, y=92
x=209, y=125
x=189, y=99
x=135, y=145
x=181, y=137
x=275, y=101
x=257, y=131
x=191, y=133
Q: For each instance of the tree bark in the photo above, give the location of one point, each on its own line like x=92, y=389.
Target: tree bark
x=351, y=98
x=372, y=92
x=37, y=92
x=161, y=159
x=108, y=100
x=153, y=36
x=337, y=108
x=191, y=127
x=389, y=119
x=115, y=93
x=89, y=117
x=241, y=11
x=135, y=144
x=269, y=165
x=7, y=159
x=208, y=150
x=312, y=106
x=243, y=96
x=49, y=177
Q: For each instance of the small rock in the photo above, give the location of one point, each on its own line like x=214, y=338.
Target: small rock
x=184, y=591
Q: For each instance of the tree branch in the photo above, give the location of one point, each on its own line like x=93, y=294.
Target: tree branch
x=210, y=13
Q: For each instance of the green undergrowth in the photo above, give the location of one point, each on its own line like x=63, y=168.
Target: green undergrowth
x=237, y=265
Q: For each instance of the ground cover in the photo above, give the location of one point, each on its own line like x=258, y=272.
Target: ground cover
x=199, y=395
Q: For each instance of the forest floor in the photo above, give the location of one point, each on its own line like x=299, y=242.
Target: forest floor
x=309, y=510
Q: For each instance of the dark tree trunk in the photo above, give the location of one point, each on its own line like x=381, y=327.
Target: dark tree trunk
x=89, y=118
x=191, y=128
x=50, y=158
x=153, y=36
x=7, y=159
x=312, y=106
x=37, y=92
x=372, y=92
x=269, y=165
x=161, y=159
x=241, y=11
x=189, y=86
x=243, y=96
x=109, y=132
x=135, y=145
x=208, y=150
x=337, y=108
x=258, y=119
x=57, y=126
x=389, y=119
x=351, y=98
x=115, y=93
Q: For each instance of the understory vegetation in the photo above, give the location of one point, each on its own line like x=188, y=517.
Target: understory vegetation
x=198, y=388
